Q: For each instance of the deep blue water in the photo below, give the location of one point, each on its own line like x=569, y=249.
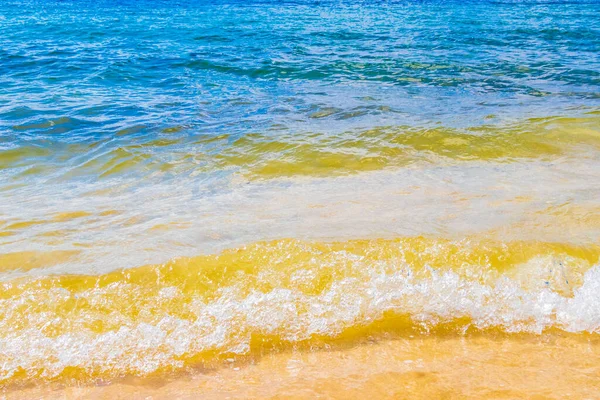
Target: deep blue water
x=102, y=68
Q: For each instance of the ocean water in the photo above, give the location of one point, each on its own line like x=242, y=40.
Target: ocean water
x=187, y=183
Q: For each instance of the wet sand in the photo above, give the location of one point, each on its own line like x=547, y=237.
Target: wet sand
x=551, y=366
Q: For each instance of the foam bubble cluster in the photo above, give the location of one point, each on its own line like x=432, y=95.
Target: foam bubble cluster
x=156, y=318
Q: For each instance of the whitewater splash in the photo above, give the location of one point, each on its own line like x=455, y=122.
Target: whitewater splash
x=200, y=310
x=350, y=171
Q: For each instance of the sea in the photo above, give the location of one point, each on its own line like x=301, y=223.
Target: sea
x=299, y=199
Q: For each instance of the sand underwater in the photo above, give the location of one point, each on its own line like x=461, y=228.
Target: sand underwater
x=308, y=199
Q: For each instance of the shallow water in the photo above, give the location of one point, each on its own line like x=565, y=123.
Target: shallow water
x=186, y=186
x=478, y=367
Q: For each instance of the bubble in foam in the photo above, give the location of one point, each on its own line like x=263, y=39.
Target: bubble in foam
x=290, y=292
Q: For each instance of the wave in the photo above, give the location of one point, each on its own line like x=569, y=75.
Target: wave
x=288, y=293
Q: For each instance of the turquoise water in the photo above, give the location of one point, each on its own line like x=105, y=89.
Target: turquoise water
x=114, y=98
x=163, y=111
x=72, y=70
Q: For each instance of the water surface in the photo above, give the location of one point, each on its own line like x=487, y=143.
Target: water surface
x=187, y=183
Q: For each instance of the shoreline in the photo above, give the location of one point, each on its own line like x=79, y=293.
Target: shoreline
x=483, y=366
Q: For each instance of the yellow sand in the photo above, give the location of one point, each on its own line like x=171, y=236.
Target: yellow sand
x=479, y=367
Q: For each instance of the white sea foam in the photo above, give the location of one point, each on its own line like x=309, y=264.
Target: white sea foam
x=226, y=323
